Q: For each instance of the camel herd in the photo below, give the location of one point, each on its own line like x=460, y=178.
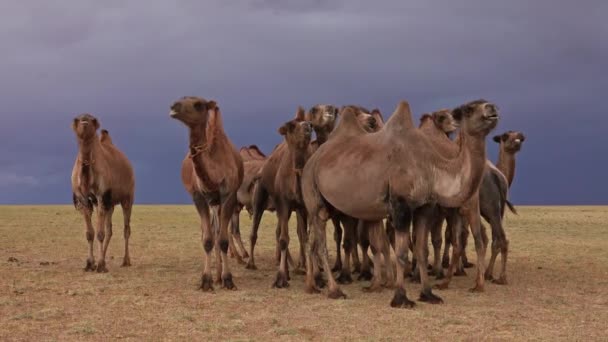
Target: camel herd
x=371, y=178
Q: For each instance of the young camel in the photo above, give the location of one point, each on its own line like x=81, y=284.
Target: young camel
x=102, y=176
x=212, y=173
x=322, y=118
x=399, y=173
x=253, y=160
x=280, y=180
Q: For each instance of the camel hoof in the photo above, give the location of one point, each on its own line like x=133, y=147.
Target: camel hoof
x=429, y=297
x=365, y=275
x=467, y=264
x=488, y=276
x=372, y=288
x=319, y=281
x=101, y=267
x=400, y=300
x=500, y=281
x=206, y=283
x=442, y=286
x=344, y=278
x=126, y=262
x=311, y=289
x=251, y=265
x=336, y=294
x=477, y=289
x=460, y=273
x=281, y=281
x=90, y=266
x=227, y=282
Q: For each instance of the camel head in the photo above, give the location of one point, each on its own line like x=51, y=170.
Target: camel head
x=323, y=119
x=511, y=140
x=366, y=118
x=192, y=110
x=85, y=126
x=443, y=120
x=477, y=118
x=297, y=132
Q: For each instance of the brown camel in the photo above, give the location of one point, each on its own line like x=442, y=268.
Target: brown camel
x=212, y=173
x=102, y=176
x=399, y=173
x=322, y=117
x=280, y=180
x=510, y=143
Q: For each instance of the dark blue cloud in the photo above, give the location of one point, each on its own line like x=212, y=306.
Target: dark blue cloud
x=126, y=62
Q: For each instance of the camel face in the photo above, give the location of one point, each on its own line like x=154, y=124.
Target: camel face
x=85, y=126
x=445, y=121
x=367, y=121
x=323, y=119
x=512, y=140
x=297, y=133
x=191, y=110
x=477, y=117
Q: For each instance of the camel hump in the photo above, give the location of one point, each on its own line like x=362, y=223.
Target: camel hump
x=401, y=118
x=256, y=150
x=348, y=125
x=105, y=136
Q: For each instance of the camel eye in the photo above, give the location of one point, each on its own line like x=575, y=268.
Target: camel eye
x=199, y=106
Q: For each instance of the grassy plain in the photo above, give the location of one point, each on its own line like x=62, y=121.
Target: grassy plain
x=558, y=273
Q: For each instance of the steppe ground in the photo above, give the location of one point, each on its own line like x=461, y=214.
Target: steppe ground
x=558, y=285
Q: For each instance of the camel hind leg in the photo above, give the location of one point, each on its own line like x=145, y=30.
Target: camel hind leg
x=422, y=217
x=338, y=239
x=236, y=234
x=260, y=201
x=350, y=227
x=127, y=206
x=401, y=216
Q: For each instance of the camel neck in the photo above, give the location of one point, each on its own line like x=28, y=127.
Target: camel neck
x=199, y=151
x=465, y=171
x=87, y=148
x=506, y=164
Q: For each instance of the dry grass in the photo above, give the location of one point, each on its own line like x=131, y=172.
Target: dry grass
x=558, y=286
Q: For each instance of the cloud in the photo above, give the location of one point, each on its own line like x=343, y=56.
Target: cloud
x=8, y=179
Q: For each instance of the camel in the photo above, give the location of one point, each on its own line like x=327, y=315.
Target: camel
x=102, y=177
x=253, y=160
x=510, y=144
x=322, y=117
x=212, y=172
x=280, y=180
x=398, y=173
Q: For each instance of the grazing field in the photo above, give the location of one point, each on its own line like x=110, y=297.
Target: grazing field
x=558, y=273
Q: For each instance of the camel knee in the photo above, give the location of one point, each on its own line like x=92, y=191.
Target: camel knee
x=208, y=245
x=100, y=236
x=127, y=232
x=348, y=244
x=224, y=245
x=283, y=243
x=90, y=236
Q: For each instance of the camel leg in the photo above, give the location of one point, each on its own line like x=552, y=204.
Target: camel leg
x=283, y=214
x=474, y=219
x=436, y=240
x=380, y=247
x=422, y=217
x=445, y=261
x=338, y=239
x=454, y=225
x=350, y=226
x=225, y=213
x=354, y=254
x=90, y=234
x=401, y=216
x=236, y=233
x=103, y=230
x=207, y=238
x=126, y=213
x=260, y=201
x=301, y=230
x=504, y=251
x=216, y=233
x=334, y=289
x=464, y=242
x=494, y=253
x=499, y=244
x=390, y=233
x=366, y=265
x=312, y=270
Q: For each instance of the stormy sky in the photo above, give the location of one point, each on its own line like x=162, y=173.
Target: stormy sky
x=545, y=63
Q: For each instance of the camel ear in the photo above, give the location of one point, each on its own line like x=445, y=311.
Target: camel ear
x=96, y=124
x=425, y=116
x=522, y=137
x=211, y=105
x=336, y=111
x=199, y=106
x=300, y=114
x=286, y=128
x=74, y=124
x=458, y=113
x=497, y=138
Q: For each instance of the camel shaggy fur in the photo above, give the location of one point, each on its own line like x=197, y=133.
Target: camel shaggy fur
x=102, y=177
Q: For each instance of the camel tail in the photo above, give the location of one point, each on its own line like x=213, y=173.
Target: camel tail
x=511, y=207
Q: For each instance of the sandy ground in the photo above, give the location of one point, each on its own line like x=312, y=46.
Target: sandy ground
x=558, y=285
